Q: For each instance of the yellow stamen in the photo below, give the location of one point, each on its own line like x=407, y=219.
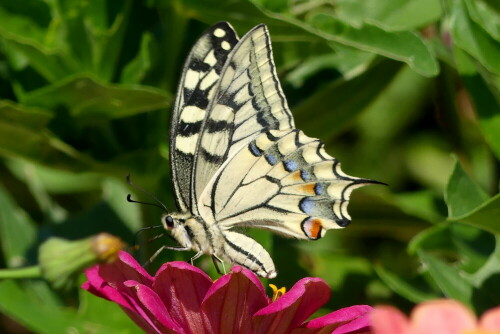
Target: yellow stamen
x=481, y=331
x=277, y=292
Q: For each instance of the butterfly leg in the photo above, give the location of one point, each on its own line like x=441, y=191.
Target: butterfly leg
x=153, y=257
x=216, y=261
x=197, y=255
x=180, y=249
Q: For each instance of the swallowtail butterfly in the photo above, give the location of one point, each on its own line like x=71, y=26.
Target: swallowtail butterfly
x=237, y=159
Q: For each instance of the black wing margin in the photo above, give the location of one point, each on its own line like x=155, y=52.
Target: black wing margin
x=196, y=89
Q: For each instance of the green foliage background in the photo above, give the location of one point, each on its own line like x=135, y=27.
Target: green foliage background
x=402, y=91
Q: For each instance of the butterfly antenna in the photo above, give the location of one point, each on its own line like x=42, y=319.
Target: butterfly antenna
x=129, y=197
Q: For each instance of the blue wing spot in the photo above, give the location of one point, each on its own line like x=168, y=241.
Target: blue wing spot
x=271, y=159
x=254, y=149
x=318, y=189
x=290, y=165
x=306, y=205
x=304, y=175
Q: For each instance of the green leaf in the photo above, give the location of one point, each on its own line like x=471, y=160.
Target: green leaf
x=41, y=147
x=402, y=287
x=470, y=37
x=423, y=204
x=462, y=194
x=90, y=98
x=486, y=16
x=331, y=117
x=29, y=117
x=137, y=68
x=31, y=175
x=404, y=46
x=115, y=192
x=109, y=44
x=17, y=231
x=22, y=25
x=50, y=64
x=459, y=285
x=485, y=99
x=393, y=14
x=23, y=306
x=484, y=216
x=349, y=61
x=449, y=279
x=467, y=245
x=488, y=277
x=53, y=180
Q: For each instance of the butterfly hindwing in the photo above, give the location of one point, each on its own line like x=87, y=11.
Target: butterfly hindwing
x=286, y=183
x=199, y=80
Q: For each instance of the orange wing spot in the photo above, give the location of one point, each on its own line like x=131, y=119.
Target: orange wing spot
x=312, y=228
x=308, y=188
x=296, y=176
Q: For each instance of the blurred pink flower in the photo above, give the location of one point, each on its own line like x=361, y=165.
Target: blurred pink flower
x=443, y=316
x=181, y=298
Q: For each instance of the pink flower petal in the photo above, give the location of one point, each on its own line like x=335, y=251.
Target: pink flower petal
x=490, y=320
x=154, y=308
x=182, y=288
x=442, y=316
x=99, y=287
x=232, y=300
x=352, y=319
x=106, y=281
x=125, y=268
x=389, y=320
x=293, y=308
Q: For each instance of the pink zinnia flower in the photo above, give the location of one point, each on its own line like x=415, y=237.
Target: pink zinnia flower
x=181, y=298
x=443, y=316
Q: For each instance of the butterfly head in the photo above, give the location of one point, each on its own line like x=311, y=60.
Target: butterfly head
x=168, y=222
x=179, y=227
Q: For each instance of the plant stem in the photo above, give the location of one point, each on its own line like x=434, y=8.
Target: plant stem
x=28, y=272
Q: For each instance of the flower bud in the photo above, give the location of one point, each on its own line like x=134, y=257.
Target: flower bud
x=62, y=260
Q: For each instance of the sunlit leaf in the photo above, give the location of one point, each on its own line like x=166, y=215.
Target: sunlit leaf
x=484, y=14
x=470, y=37
x=401, y=45
x=393, y=14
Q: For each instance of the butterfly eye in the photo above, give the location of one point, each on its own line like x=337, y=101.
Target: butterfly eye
x=169, y=221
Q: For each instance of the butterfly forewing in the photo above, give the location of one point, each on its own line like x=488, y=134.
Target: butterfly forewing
x=199, y=81
x=248, y=101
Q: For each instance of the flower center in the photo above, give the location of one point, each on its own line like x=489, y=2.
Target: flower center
x=280, y=292
x=481, y=331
